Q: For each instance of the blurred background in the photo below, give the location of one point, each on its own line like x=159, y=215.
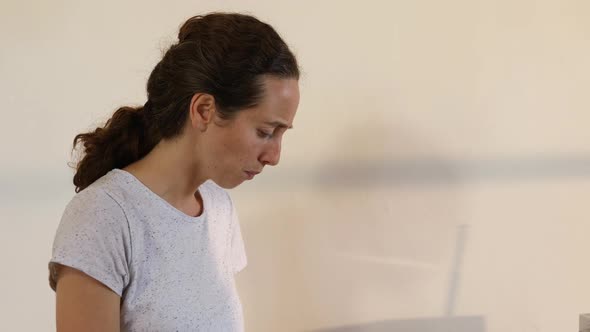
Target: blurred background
x=437, y=177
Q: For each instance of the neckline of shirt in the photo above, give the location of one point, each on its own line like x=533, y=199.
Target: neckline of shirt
x=153, y=195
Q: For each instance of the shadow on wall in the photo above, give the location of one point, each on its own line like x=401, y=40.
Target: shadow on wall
x=397, y=156
x=436, y=172
x=390, y=167
x=450, y=324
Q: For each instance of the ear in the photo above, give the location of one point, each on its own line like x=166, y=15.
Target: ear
x=201, y=110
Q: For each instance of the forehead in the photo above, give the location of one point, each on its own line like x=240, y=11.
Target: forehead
x=279, y=101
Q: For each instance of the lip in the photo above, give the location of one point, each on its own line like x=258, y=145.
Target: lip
x=251, y=175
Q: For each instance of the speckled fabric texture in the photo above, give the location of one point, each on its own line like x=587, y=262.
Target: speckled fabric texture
x=173, y=272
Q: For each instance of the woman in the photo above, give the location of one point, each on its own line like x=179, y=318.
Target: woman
x=151, y=241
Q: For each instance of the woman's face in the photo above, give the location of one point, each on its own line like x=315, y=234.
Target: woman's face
x=242, y=146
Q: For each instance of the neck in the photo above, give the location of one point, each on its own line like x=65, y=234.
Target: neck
x=169, y=172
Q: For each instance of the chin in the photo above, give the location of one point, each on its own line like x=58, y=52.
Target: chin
x=227, y=184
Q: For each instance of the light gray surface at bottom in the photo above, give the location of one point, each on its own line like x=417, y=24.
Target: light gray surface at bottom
x=435, y=324
x=584, y=322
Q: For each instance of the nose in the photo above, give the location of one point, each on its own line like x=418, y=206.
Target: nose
x=271, y=154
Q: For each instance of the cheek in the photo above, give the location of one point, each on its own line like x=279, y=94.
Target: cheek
x=246, y=149
x=239, y=148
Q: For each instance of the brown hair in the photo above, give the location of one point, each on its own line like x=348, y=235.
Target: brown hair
x=223, y=54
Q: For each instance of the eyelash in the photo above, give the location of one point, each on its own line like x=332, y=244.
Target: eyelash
x=263, y=134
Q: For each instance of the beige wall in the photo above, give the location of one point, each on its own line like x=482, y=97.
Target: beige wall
x=438, y=172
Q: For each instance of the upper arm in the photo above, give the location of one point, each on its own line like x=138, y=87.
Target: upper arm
x=84, y=304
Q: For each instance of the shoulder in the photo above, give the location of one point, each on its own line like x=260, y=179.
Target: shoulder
x=94, y=199
x=96, y=207
x=107, y=193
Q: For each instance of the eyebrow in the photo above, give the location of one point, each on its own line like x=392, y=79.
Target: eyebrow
x=279, y=124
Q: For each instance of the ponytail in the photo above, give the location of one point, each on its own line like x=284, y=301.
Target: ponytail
x=125, y=138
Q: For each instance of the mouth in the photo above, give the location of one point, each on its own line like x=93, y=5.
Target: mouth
x=250, y=175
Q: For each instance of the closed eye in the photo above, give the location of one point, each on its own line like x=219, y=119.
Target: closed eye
x=264, y=134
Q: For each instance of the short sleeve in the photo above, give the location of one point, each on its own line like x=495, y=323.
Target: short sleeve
x=93, y=237
x=238, y=251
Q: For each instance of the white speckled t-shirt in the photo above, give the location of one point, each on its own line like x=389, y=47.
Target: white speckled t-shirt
x=173, y=272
